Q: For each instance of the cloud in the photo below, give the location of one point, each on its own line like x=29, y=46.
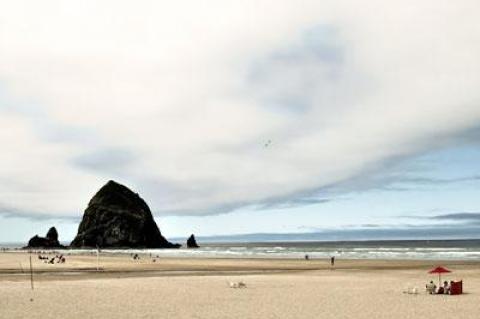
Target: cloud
x=436, y=181
x=9, y=212
x=464, y=217
x=451, y=226
x=454, y=221
x=405, y=182
x=106, y=160
x=299, y=201
x=177, y=100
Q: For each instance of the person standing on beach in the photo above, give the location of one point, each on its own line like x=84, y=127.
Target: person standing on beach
x=332, y=261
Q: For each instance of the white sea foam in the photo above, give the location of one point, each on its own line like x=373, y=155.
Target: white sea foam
x=358, y=250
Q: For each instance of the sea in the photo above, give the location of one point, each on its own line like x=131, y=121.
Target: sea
x=379, y=249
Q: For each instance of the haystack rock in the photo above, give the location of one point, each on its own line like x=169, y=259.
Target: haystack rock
x=191, y=242
x=50, y=241
x=117, y=217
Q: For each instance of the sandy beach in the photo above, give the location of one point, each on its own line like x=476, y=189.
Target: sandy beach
x=199, y=288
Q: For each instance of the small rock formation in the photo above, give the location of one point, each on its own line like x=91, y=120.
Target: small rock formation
x=191, y=242
x=50, y=241
x=52, y=234
x=117, y=217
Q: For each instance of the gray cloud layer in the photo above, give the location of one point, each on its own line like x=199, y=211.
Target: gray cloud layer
x=178, y=104
x=464, y=217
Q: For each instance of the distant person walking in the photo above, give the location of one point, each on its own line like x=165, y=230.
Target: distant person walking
x=332, y=261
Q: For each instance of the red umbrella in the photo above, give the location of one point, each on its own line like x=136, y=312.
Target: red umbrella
x=439, y=270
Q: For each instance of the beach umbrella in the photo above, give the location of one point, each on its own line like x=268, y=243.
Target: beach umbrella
x=439, y=270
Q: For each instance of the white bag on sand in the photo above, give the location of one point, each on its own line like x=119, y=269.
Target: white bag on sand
x=411, y=291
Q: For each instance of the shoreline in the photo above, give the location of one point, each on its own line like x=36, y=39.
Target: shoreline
x=80, y=266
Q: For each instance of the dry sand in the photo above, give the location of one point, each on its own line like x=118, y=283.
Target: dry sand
x=198, y=288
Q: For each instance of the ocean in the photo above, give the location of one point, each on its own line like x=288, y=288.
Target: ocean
x=388, y=249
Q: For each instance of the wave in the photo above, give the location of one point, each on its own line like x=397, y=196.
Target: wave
x=414, y=250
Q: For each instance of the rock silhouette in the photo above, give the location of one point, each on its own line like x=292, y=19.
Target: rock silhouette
x=191, y=242
x=52, y=234
x=50, y=241
x=117, y=217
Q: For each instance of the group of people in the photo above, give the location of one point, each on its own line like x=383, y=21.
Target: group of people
x=137, y=257
x=59, y=259
x=442, y=290
x=332, y=259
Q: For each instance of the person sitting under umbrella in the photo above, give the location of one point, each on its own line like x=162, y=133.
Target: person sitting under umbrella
x=431, y=287
x=439, y=270
x=446, y=287
x=440, y=290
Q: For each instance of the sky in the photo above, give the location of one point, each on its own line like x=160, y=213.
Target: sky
x=234, y=117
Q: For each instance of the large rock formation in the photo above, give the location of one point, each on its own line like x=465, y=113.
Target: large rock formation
x=117, y=217
x=50, y=241
x=191, y=242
